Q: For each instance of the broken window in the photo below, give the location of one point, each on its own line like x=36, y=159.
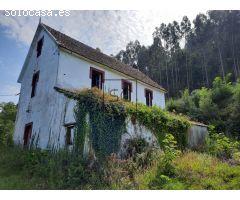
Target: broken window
x=69, y=134
x=127, y=89
x=149, y=97
x=39, y=46
x=34, y=83
x=27, y=134
x=97, y=77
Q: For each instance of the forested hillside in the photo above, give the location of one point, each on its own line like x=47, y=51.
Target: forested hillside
x=189, y=54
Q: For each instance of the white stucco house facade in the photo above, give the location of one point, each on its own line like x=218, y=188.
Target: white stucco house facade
x=56, y=60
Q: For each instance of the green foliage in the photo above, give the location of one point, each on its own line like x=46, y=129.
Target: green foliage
x=220, y=145
x=192, y=171
x=170, y=153
x=7, y=119
x=211, y=49
x=135, y=146
x=218, y=106
x=41, y=169
x=102, y=115
x=161, y=122
x=36, y=169
x=201, y=171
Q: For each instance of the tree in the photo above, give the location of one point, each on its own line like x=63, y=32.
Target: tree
x=130, y=55
x=7, y=119
x=212, y=48
x=185, y=30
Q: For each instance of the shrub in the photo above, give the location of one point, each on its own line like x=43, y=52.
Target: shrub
x=220, y=145
x=7, y=119
x=170, y=153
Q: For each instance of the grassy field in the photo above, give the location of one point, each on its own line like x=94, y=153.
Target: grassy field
x=21, y=169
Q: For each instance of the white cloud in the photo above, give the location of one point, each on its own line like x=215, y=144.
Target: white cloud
x=11, y=90
x=108, y=30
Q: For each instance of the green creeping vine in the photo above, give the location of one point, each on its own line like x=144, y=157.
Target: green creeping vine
x=104, y=119
x=161, y=122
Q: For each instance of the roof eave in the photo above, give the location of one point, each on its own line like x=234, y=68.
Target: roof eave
x=67, y=49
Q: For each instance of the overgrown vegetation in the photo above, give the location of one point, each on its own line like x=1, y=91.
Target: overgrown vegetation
x=147, y=168
x=100, y=118
x=104, y=114
x=218, y=106
x=7, y=118
x=161, y=122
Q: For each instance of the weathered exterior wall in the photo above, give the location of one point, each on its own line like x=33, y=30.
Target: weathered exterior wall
x=43, y=109
x=135, y=130
x=74, y=72
x=196, y=135
x=49, y=110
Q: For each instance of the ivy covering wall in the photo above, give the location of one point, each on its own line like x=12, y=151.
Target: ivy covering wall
x=103, y=118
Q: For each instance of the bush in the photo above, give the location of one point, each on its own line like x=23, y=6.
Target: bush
x=219, y=105
x=220, y=145
x=170, y=153
x=7, y=120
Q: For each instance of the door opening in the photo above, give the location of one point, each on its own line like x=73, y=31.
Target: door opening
x=27, y=134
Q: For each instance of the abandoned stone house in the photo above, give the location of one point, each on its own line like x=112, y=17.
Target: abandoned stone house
x=56, y=60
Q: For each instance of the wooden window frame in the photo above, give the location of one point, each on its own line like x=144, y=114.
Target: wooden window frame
x=27, y=138
x=39, y=46
x=102, y=76
x=69, y=138
x=148, y=91
x=129, y=83
x=35, y=80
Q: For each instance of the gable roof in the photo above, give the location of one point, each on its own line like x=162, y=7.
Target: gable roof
x=96, y=56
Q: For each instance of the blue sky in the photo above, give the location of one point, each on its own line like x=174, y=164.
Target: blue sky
x=108, y=30
x=12, y=55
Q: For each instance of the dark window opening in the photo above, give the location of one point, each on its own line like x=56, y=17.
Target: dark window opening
x=34, y=83
x=149, y=97
x=69, y=134
x=97, y=77
x=127, y=89
x=39, y=47
x=27, y=134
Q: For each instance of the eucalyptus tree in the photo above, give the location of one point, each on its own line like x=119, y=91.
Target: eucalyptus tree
x=185, y=30
x=130, y=55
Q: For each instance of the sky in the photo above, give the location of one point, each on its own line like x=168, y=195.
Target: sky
x=108, y=30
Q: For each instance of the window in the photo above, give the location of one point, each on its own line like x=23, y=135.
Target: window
x=27, y=134
x=149, y=97
x=39, y=47
x=69, y=134
x=97, y=77
x=127, y=89
x=34, y=83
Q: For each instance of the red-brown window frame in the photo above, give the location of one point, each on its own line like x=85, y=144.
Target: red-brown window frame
x=151, y=96
x=99, y=71
x=26, y=140
x=35, y=80
x=130, y=83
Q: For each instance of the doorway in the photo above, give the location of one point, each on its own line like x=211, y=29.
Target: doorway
x=27, y=134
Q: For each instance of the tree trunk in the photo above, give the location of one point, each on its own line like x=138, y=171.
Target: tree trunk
x=167, y=78
x=221, y=61
x=205, y=68
x=234, y=60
